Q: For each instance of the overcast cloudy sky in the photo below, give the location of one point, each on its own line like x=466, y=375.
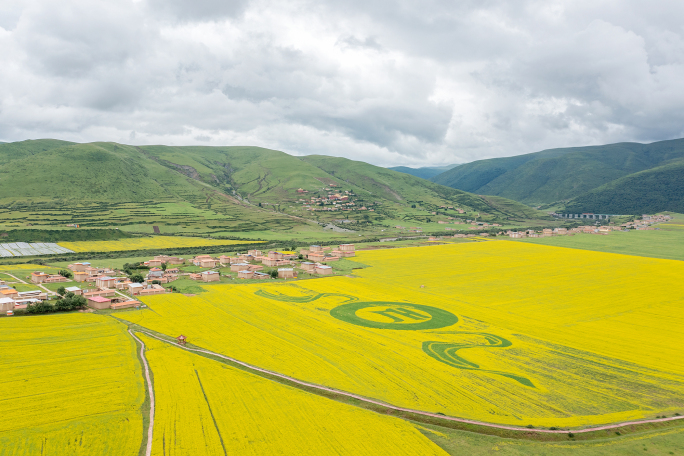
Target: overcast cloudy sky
x=405, y=82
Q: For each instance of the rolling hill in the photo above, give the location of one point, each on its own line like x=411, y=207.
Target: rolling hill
x=426, y=172
x=654, y=190
x=50, y=182
x=562, y=174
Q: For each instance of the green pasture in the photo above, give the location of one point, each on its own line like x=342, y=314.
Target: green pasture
x=657, y=442
x=667, y=243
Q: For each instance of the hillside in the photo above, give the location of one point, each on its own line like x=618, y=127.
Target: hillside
x=51, y=183
x=654, y=190
x=405, y=189
x=426, y=172
x=559, y=174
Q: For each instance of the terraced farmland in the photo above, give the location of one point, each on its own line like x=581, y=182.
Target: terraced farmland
x=501, y=332
x=147, y=243
x=71, y=385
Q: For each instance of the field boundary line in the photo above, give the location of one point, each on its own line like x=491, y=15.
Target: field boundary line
x=150, y=390
x=408, y=410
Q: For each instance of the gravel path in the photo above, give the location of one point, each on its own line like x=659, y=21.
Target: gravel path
x=401, y=409
x=150, y=390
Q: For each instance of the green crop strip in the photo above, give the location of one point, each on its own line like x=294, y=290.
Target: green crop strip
x=446, y=353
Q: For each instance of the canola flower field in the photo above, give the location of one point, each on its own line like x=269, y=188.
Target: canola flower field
x=497, y=331
x=147, y=243
x=71, y=385
x=204, y=407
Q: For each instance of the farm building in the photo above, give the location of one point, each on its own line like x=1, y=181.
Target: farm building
x=210, y=276
x=316, y=257
x=286, y=273
x=134, y=288
x=332, y=258
x=78, y=267
x=41, y=277
x=547, y=232
x=9, y=293
x=275, y=255
x=75, y=290
x=125, y=304
x=260, y=275
x=308, y=266
x=80, y=276
x=154, y=263
x=245, y=274
x=561, y=231
x=169, y=259
x=224, y=260
x=152, y=290
x=99, y=302
x=315, y=248
x=205, y=261
x=346, y=247
x=195, y=276
x=255, y=253
x=90, y=294
x=6, y=304
x=323, y=269
x=33, y=294
x=237, y=267
x=245, y=257
x=105, y=282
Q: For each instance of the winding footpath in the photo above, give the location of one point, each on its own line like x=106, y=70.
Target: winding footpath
x=378, y=403
x=150, y=390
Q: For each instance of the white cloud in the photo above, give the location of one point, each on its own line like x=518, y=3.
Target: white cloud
x=413, y=83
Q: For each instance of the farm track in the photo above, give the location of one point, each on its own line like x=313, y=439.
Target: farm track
x=389, y=407
x=150, y=390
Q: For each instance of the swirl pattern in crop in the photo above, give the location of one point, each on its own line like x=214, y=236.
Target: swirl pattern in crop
x=446, y=353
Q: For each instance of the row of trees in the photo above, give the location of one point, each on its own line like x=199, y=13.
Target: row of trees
x=68, y=302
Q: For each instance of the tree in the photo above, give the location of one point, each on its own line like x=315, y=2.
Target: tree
x=137, y=278
x=274, y=273
x=292, y=249
x=413, y=206
x=301, y=257
x=65, y=273
x=163, y=266
x=61, y=291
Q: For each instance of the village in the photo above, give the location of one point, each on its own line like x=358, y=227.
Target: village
x=105, y=288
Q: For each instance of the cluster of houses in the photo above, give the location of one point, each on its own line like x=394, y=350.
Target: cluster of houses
x=247, y=264
x=547, y=232
x=11, y=299
x=646, y=222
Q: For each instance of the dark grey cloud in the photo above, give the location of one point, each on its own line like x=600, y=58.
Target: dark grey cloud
x=387, y=82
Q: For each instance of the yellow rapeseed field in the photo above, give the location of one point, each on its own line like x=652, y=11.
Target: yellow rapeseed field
x=147, y=243
x=496, y=331
x=71, y=384
x=204, y=407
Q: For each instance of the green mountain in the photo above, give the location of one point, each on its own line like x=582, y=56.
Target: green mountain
x=424, y=172
x=53, y=183
x=654, y=190
x=559, y=174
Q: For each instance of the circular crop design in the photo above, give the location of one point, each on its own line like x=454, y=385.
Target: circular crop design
x=393, y=315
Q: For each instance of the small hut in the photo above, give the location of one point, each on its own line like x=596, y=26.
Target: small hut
x=181, y=339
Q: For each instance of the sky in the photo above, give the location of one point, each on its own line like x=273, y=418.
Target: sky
x=416, y=83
